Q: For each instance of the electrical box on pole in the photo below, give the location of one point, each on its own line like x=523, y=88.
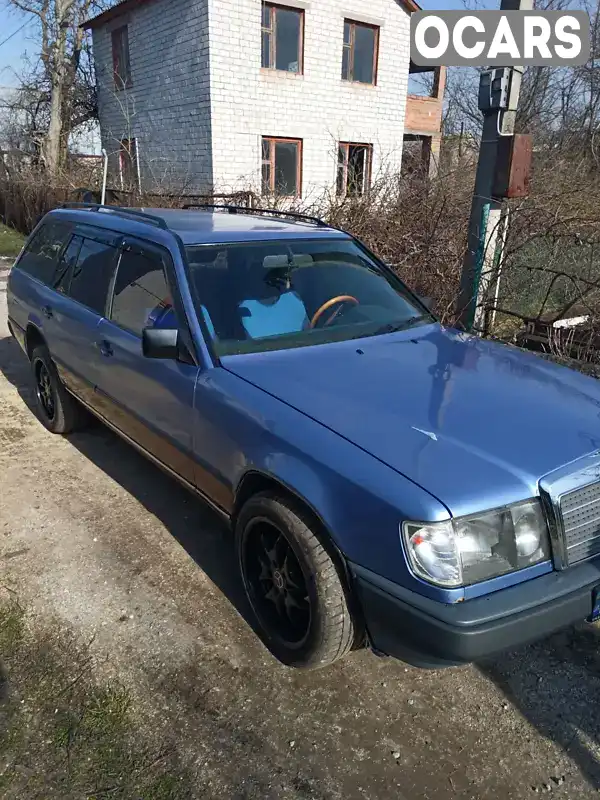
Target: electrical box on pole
x=502, y=171
x=513, y=166
x=494, y=87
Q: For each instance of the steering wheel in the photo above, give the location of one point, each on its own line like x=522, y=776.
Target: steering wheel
x=342, y=298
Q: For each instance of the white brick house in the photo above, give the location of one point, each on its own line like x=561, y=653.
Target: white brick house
x=221, y=95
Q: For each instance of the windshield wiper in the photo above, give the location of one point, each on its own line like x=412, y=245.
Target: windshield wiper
x=393, y=327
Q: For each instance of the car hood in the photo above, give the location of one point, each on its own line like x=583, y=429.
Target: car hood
x=475, y=423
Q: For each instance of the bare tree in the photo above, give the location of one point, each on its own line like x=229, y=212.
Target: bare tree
x=60, y=94
x=559, y=106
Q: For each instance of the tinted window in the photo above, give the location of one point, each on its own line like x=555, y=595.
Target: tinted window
x=92, y=274
x=41, y=256
x=67, y=264
x=140, y=289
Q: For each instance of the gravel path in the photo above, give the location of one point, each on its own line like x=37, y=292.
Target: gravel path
x=93, y=535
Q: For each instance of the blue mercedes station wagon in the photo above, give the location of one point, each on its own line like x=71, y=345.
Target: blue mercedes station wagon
x=390, y=482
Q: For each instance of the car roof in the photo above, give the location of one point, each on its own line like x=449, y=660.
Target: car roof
x=203, y=227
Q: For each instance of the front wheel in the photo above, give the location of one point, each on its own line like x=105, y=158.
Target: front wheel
x=292, y=584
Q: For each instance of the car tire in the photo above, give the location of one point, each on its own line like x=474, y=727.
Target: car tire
x=58, y=411
x=292, y=583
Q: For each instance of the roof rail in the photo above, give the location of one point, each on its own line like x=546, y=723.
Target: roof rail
x=121, y=211
x=243, y=210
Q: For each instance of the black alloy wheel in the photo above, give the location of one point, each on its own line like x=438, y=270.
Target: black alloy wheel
x=281, y=599
x=44, y=389
x=297, y=591
x=58, y=410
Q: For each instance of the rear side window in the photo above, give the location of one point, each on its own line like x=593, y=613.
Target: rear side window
x=140, y=289
x=92, y=274
x=40, y=258
x=67, y=264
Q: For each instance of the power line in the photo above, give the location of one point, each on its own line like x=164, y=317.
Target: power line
x=14, y=33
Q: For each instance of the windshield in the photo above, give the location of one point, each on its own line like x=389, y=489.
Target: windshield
x=276, y=295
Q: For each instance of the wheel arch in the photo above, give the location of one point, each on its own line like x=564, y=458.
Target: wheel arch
x=33, y=338
x=255, y=482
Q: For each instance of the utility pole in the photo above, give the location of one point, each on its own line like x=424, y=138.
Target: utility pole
x=499, y=91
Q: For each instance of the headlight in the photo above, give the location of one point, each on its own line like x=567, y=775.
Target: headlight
x=475, y=548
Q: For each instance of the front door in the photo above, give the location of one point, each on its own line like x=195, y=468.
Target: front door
x=149, y=400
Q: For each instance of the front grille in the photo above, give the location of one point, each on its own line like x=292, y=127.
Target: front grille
x=580, y=513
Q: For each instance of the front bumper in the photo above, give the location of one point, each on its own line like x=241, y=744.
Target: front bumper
x=426, y=633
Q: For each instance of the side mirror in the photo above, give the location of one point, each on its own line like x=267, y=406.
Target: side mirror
x=427, y=302
x=160, y=343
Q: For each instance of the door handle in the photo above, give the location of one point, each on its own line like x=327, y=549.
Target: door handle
x=47, y=312
x=105, y=348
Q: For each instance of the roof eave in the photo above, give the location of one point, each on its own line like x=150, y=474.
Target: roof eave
x=127, y=5
x=111, y=13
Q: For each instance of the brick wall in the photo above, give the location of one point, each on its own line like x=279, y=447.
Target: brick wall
x=168, y=107
x=318, y=107
x=423, y=115
x=200, y=101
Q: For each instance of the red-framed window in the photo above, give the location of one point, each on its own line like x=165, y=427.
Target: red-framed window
x=282, y=38
x=281, y=166
x=361, y=52
x=354, y=168
x=120, y=56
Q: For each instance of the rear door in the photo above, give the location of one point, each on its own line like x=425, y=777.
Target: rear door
x=78, y=303
x=149, y=400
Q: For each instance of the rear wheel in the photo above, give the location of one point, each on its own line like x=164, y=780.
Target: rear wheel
x=57, y=409
x=292, y=584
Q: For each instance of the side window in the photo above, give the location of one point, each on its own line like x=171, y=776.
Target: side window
x=92, y=274
x=360, y=53
x=121, y=59
x=41, y=256
x=282, y=38
x=66, y=265
x=282, y=166
x=354, y=168
x=141, y=291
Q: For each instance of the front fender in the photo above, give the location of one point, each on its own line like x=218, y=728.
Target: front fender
x=360, y=501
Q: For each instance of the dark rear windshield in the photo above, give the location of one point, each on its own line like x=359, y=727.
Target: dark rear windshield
x=277, y=295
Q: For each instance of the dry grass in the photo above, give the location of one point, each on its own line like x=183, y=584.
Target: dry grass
x=65, y=733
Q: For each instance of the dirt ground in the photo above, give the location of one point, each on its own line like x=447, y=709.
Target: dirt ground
x=98, y=542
